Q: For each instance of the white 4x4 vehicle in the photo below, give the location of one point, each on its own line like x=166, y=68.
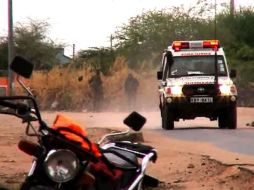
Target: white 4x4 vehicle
x=195, y=82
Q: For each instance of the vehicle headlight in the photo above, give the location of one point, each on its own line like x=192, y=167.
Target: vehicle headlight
x=174, y=91
x=228, y=89
x=61, y=165
x=225, y=89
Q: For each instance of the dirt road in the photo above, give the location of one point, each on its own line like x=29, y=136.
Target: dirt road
x=194, y=156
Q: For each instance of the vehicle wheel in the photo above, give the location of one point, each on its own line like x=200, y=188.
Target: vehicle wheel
x=160, y=106
x=222, y=121
x=232, y=117
x=228, y=119
x=167, y=118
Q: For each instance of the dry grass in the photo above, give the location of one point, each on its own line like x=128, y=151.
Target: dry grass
x=68, y=88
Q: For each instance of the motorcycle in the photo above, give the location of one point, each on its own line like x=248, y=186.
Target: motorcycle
x=65, y=158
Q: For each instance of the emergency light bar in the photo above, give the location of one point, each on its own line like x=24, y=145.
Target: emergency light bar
x=212, y=44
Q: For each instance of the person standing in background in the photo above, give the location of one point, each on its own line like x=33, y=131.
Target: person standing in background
x=97, y=90
x=131, y=88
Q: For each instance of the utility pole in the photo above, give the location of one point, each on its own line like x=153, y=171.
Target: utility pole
x=111, y=47
x=232, y=7
x=111, y=42
x=216, y=80
x=73, y=51
x=10, y=47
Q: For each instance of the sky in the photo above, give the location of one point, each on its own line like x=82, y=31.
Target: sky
x=86, y=23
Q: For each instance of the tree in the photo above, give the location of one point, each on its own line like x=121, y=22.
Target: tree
x=32, y=42
x=238, y=32
x=97, y=58
x=146, y=35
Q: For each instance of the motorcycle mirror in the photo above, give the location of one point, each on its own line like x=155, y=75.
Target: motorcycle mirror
x=135, y=121
x=21, y=66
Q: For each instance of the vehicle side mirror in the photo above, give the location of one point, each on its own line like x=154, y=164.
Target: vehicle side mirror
x=159, y=75
x=22, y=67
x=135, y=121
x=169, y=57
x=232, y=73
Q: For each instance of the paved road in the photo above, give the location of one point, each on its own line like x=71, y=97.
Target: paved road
x=240, y=140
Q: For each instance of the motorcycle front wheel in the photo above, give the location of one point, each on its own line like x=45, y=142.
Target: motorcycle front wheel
x=26, y=186
x=33, y=186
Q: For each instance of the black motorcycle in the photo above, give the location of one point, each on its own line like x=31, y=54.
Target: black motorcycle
x=65, y=158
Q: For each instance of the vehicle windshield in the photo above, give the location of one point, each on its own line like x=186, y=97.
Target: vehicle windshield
x=196, y=65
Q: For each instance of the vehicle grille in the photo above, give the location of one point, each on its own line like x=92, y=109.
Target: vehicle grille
x=199, y=89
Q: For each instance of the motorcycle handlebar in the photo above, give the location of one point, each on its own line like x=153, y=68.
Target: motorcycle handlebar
x=139, y=150
x=145, y=149
x=20, y=107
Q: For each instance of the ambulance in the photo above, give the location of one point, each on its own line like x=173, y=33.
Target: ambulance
x=195, y=81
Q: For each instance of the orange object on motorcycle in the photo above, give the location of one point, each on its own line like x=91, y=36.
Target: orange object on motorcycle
x=62, y=121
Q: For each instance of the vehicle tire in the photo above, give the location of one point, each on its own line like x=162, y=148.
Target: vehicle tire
x=167, y=118
x=228, y=119
x=232, y=116
x=222, y=121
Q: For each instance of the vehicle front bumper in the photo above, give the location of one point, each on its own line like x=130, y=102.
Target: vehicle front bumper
x=182, y=107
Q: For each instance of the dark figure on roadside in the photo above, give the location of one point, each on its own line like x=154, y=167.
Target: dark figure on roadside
x=131, y=87
x=97, y=90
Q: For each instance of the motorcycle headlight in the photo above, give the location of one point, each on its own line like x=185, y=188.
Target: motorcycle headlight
x=61, y=165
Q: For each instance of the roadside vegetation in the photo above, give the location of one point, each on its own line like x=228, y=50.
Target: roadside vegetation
x=136, y=47
x=68, y=88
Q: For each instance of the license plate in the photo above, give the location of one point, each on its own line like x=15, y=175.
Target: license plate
x=201, y=100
